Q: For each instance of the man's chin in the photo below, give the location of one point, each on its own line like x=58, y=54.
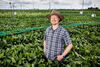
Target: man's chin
x=54, y=24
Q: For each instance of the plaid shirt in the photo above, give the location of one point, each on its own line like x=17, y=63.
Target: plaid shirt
x=55, y=40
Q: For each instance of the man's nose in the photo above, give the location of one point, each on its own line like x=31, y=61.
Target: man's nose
x=54, y=19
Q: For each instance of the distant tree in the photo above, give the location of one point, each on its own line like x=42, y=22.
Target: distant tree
x=92, y=8
x=96, y=8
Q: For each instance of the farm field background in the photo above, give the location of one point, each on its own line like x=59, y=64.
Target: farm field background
x=26, y=49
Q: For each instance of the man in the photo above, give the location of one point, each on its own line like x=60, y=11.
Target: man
x=55, y=38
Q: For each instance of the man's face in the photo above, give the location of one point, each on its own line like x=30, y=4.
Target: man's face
x=54, y=19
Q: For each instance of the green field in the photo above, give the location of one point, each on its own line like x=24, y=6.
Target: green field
x=25, y=49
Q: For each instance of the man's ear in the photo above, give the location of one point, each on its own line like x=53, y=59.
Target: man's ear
x=59, y=19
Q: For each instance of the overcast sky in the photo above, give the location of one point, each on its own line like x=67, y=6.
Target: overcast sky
x=46, y=4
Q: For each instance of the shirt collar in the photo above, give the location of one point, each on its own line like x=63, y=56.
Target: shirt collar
x=55, y=29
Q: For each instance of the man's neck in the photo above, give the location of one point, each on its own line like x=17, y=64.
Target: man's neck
x=54, y=27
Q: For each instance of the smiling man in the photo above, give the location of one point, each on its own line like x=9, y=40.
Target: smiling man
x=55, y=38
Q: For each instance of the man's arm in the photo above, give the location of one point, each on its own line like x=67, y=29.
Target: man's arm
x=44, y=45
x=67, y=50
x=68, y=42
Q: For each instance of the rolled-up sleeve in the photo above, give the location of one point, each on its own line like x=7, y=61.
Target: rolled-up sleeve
x=66, y=38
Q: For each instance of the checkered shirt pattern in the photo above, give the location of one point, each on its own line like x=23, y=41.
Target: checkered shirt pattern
x=55, y=41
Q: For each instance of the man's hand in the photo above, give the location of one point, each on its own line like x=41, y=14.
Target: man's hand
x=59, y=57
x=68, y=48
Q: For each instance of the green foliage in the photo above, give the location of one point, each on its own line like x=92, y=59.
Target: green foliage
x=26, y=49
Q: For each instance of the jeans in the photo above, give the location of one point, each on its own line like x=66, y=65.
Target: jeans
x=62, y=61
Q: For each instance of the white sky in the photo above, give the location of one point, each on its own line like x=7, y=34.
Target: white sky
x=44, y=4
